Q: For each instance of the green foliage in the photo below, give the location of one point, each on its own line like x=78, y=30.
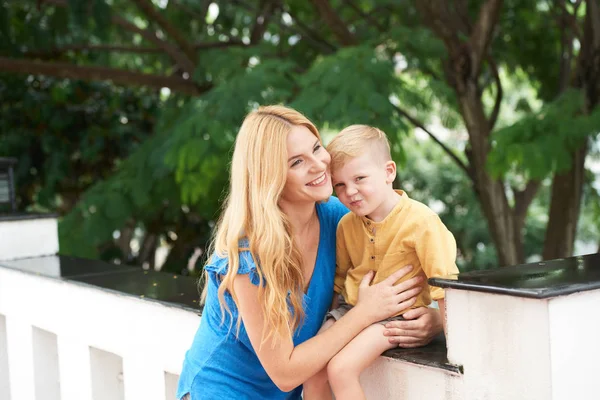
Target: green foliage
x=68, y=134
x=111, y=159
x=542, y=142
x=352, y=86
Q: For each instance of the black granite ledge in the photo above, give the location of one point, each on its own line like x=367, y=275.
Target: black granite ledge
x=65, y=267
x=171, y=290
x=433, y=355
x=538, y=280
x=26, y=216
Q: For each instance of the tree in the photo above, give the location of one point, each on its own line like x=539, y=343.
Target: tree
x=396, y=65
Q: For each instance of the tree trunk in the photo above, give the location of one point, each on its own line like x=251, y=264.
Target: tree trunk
x=567, y=187
x=148, y=249
x=564, y=209
x=491, y=192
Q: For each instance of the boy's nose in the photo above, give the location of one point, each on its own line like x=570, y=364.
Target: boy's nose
x=350, y=190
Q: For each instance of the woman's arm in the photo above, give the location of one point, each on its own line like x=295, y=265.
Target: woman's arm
x=289, y=366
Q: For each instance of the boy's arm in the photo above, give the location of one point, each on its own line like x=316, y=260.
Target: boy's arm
x=335, y=303
x=436, y=249
x=342, y=261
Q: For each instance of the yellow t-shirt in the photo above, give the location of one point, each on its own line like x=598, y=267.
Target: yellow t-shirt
x=411, y=234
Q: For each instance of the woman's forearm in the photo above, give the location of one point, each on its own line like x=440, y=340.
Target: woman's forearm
x=313, y=355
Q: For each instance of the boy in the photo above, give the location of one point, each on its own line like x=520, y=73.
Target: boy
x=384, y=231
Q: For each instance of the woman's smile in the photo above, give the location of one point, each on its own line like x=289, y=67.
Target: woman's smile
x=320, y=181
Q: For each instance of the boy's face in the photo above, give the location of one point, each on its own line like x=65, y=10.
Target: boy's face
x=363, y=183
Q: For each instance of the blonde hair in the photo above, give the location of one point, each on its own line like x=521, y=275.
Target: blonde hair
x=354, y=141
x=258, y=176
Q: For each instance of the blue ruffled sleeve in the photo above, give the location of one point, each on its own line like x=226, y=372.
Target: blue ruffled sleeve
x=220, y=266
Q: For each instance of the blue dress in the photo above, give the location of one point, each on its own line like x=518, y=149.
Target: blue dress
x=221, y=365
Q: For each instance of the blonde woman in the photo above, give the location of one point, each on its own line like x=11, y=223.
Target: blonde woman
x=269, y=282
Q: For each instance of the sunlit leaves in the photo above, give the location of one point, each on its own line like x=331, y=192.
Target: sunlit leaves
x=542, y=142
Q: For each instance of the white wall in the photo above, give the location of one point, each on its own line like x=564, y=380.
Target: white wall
x=502, y=342
x=149, y=337
x=28, y=238
x=117, y=347
x=575, y=353
x=389, y=379
x=4, y=386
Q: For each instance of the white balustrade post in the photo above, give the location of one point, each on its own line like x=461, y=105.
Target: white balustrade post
x=19, y=338
x=143, y=379
x=74, y=369
x=4, y=385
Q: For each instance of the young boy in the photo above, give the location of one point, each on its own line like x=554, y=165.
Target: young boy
x=385, y=231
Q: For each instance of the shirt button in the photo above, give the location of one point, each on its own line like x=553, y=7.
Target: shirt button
x=372, y=240
x=368, y=222
x=372, y=257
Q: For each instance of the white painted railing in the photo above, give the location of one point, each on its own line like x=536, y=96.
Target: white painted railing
x=63, y=340
x=68, y=341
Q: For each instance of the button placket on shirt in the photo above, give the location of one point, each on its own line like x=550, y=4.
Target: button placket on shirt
x=372, y=231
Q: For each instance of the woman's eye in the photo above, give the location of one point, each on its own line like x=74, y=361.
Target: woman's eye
x=317, y=147
x=296, y=163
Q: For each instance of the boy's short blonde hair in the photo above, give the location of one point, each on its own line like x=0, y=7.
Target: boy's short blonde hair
x=356, y=140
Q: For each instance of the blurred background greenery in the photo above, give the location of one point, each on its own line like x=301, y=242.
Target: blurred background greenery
x=122, y=113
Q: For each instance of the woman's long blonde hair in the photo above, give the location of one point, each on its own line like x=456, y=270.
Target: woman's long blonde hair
x=258, y=176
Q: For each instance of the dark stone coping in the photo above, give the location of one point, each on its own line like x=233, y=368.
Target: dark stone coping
x=171, y=290
x=25, y=216
x=432, y=355
x=176, y=291
x=538, y=280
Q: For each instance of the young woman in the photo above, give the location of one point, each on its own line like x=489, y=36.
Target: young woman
x=269, y=282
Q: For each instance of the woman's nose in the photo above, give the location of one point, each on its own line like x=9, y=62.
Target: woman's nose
x=319, y=164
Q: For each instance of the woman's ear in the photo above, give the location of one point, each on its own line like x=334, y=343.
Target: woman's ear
x=390, y=172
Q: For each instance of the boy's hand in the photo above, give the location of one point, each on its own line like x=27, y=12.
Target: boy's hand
x=421, y=326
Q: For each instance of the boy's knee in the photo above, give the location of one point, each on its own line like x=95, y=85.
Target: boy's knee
x=338, y=370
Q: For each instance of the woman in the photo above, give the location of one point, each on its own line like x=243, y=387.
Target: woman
x=269, y=282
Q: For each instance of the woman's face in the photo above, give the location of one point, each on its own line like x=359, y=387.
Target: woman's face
x=308, y=178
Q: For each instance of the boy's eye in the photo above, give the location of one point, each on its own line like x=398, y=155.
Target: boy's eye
x=360, y=178
x=338, y=185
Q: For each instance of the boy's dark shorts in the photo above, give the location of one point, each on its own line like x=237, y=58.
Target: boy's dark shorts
x=344, y=307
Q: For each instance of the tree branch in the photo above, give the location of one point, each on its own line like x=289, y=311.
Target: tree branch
x=482, y=33
x=523, y=199
x=440, y=19
x=261, y=20
x=499, y=92
x=446, y=149
x=148, y=8
x=365, y=16
x=335, y=23
x=564, y=17
x=198, y=15
x=312, y=35
x=176, y=55
x=53, y=53
x=89, y=73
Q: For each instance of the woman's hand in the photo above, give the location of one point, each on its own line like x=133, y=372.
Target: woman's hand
x=421, y=326
x=384, y=299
